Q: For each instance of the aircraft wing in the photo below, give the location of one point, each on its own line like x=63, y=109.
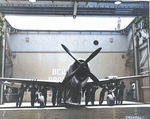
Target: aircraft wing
x=16, y=82
x=133, y=77
x=113, y=79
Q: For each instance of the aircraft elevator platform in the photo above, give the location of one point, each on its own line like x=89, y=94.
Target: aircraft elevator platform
x=129, y=110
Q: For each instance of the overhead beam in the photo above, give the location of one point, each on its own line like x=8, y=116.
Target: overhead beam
x=93, y=8
x=98, y=0
x=23, y=10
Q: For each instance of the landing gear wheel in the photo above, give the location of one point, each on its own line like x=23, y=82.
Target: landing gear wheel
x=110, y=100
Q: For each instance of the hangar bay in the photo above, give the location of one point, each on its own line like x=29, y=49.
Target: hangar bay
x=37, y=54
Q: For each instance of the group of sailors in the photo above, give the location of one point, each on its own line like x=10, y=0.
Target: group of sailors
x=40, y=95
x=117, y=92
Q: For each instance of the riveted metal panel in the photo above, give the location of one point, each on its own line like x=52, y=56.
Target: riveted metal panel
x=50, y=42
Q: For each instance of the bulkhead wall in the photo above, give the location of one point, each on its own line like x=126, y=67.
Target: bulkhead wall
x=75, y=41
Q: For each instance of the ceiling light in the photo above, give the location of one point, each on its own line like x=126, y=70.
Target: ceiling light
x=32, y=0
x=118, y=2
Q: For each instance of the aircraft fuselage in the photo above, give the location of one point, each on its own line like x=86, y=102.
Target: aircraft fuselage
x=77, y=82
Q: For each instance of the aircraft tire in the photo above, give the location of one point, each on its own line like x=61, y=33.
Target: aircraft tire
x=110, y=100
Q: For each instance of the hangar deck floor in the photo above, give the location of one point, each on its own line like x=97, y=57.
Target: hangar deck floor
x=129, y=110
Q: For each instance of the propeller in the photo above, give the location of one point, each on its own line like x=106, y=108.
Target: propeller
x=93, y=55
x=94, y=78
x=69, y=52
x=82, y=65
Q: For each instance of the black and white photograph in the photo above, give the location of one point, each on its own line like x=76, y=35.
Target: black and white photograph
x=74, y=59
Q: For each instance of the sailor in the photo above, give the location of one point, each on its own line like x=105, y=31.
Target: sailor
x=5, y=95
x=87, y=95
x=121, y=92
x=20, y=95
x=102, y=94
x=8, y=95
x=41, y=99
x=54, y=89
x=119, y=23
x=116, y=92
x=94, y=88
x=44, y=93
x=33, y=90
x=111, y=95
x=59, y=96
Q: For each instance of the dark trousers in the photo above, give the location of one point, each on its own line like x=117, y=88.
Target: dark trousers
x=59, y=97
x=87, y=98
x=120, y=97
x=19, y=99
x=32, y=99
x=92, y=98
x=45, y=99
x=54, y=99
x=116, y=95
x=101, y=99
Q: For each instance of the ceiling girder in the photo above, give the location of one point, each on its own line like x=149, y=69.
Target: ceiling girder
x=69, y=11
x=71, y=7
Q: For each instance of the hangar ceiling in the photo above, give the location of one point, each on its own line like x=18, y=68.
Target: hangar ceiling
x=72, y=7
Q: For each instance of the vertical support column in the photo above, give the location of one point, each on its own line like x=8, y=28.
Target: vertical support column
x=149, y=57
x=133, y=48
x=2, y=52
x=135, y=43
x=136, y=56
x=149, y=48
x=140, y=96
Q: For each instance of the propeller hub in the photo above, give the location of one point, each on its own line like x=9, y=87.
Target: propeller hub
x=82, y=73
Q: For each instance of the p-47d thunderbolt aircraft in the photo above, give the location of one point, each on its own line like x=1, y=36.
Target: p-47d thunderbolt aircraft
x=77, y=78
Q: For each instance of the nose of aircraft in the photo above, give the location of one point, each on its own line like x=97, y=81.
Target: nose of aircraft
x=82, y=73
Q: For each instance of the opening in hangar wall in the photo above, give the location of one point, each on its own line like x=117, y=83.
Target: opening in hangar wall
x=40, y=55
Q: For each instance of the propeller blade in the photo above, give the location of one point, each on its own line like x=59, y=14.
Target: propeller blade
x=94, y=79
x=70, y=53
x=70, y=76
x=93, y=55
x=81, y=65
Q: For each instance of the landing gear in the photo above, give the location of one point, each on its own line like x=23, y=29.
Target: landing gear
x=110, y=100
x=76, y=98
